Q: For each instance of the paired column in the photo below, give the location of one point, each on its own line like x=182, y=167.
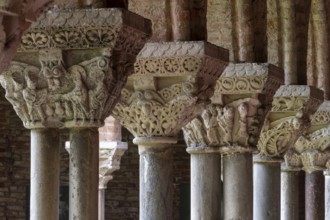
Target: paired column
x=291, y=197
x=284, y=124
x=314, y=195
x=169, y=88
x=45, y=171
x=227, y=127
x=74, y=83
x=84, y=158
x=156, y=177
x=311, y=154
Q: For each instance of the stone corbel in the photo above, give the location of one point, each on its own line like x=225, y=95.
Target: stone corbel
x=287, y=121
x=241, y=100
x=172, y=82
x=110, y=154
x=70, y=69
x=311, y=151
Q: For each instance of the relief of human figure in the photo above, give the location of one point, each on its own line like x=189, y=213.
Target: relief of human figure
x=225, y=121
x=15, y=96
x=198, y=129
x=34, y=97
x=243, y=111
x=79, y=95
x=210, y=121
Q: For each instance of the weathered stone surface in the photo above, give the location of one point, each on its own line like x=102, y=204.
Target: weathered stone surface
x=15, y=18
x=241, y=100
x=311, y=151
x=287, y=120
x=110, y=154
x=72, y=66
x=171, y=83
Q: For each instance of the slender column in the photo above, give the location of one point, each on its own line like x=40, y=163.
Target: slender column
x=327, y=194
x=238, y=186
x=101, y=204
x=266, y=190
x=314, y=195
x=84, y=148
x=205, y=186
x=110, y=154
x=284, y=124
x=290, y=194
x=45, y=165
x=156, y=176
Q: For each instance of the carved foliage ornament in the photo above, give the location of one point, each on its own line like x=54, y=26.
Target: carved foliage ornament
x=171, y=83
x=313, y=147
x=288, y=119
x=54, y=95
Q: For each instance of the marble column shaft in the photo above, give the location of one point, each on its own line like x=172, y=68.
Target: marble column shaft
x=205, y=186
x=327, y=195
x=314, y=195
x=238, y=186
x=156, y=178
x=84, y=179
x=266, y=191
x=45, y=166
x=290, y=194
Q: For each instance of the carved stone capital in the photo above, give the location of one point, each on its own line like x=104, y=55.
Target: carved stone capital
x=110, y=154
x=61, y=79
x=313, y=147
x=15, y=17
x=288, y=119
x=239, y=105
x=172, y=82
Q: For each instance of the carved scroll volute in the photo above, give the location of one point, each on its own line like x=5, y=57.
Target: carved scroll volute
x=172, y=82
x=239, y=104
x=81, y=68
x=313, y=148
x=288, y=119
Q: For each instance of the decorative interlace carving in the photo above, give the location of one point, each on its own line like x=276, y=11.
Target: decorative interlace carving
x=87, y=28
x=171, y=83
x=288, y=119
x=312, y=148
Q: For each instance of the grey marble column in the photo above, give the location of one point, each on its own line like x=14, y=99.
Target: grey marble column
x=238, y=186
x=205, y=186
x=290, y=193
x=327, y=194
x=314, y=195
x=45, y=165
x=101, y=203
x=84, y=178
x=156, y=177
x=266, y=189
